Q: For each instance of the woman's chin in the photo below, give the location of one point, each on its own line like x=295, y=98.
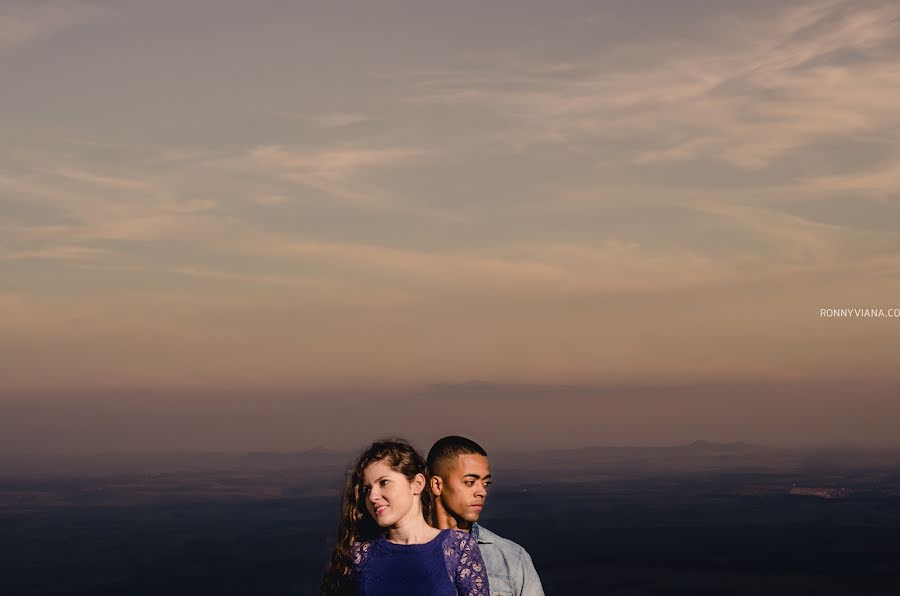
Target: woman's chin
x=380, y=522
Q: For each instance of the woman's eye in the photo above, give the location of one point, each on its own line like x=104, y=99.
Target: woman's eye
x=383, y=482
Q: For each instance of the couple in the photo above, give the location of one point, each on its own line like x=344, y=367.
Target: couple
x=408, y=527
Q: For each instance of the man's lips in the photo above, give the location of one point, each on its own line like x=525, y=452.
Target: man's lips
x=478, y=506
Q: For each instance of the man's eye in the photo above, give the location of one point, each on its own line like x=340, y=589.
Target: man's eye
x=470, y=483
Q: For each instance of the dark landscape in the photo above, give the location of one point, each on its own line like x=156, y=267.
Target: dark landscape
x=698, y=519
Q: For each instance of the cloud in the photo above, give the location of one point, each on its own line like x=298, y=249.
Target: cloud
x=97, y=211
x=92, y=202
x=323, y=120
x=24, y=22
x=748, y=92
x=623, y=204
x=330, y=163
x=271, y=200
x=92, y=179
x=328, y=170
x=53, y=253
x=791, y=238
x=335, y=172
x=555, y=272
x=336, y=119
x=882, y=181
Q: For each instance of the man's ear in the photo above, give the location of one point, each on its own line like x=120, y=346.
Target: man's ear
x=436, y=485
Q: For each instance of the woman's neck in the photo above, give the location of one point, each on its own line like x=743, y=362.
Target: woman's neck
x=413, y=531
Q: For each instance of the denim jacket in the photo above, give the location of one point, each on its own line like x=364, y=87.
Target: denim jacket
x=509, y=567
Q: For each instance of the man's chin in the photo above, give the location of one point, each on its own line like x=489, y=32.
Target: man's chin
x=467, y=519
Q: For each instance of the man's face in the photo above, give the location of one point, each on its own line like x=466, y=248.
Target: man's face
x=464, y=486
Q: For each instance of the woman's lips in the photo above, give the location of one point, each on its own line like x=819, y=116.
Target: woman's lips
x=380, y=509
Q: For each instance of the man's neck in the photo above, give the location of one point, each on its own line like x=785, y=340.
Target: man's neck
x=446, y=520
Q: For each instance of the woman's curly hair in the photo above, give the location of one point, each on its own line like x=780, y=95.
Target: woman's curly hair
x=356, y=525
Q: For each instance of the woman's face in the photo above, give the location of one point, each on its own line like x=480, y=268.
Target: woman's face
x=389, y=496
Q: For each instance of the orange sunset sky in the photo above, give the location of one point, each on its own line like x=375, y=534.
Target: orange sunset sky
x=273, y=225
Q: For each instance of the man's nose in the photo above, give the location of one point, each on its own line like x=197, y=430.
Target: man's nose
x=480, y=490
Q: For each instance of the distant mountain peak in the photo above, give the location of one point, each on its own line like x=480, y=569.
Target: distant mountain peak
x=703, y=444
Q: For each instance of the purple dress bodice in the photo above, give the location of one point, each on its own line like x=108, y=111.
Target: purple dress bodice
x=448, y=565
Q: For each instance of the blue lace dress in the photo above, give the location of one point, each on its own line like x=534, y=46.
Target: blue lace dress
x=448, y=565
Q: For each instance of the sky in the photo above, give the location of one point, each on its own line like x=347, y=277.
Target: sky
x=278, y=224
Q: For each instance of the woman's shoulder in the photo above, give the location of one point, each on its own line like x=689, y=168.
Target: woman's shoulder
x=359, y=553
x=454, y=536
x=464, y=563
x=456, y=543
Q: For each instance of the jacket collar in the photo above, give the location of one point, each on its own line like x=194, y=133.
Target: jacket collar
x=482, y=535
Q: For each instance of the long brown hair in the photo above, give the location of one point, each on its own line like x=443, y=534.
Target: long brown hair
x=356, y=525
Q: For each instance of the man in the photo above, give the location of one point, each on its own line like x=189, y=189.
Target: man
x=459, y=474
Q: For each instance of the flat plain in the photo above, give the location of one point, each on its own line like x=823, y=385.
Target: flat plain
x=703, y=518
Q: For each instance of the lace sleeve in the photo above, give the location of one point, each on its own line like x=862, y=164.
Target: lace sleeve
x=359, y=554
x=465, y=564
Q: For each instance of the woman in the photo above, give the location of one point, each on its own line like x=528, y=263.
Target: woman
x=385, y=547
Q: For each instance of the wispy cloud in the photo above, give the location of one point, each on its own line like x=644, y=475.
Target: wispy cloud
x=536, y=272
x=322, y=120
x=336, y=119
x=329, y=170
x=545, y=207
x=88, y=205
x=24, y=22
x=52, y=253
x=748, y=93
x=93, y=179
x=792, y=239
x=271, y=200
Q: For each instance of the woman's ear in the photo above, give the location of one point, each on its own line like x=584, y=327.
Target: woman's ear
x=418, y=483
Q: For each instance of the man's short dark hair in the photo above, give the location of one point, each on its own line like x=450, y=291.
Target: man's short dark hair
x=449, y=448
